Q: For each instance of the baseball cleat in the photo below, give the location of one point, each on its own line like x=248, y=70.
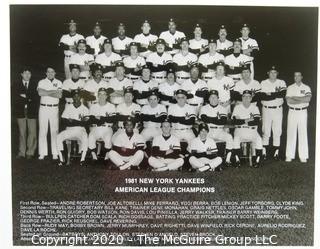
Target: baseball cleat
x=60, y=164
x=237, y=164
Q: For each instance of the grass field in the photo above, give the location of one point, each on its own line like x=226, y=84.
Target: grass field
x=277, y=181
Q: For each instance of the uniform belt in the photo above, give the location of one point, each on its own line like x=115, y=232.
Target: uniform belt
x=272, y=107
x=236, y=78
x=298, y=109
x=182, y=129
x=132, y=78
x=183, y=78
x=68, y=56
x=207, y=77
x=158, y=77
x=49, y=105
x=216, y=127
x=69, y=103
x=83, y=78
x=194, y=104
x=103, y=125
x=107, y=77
x=248, y=127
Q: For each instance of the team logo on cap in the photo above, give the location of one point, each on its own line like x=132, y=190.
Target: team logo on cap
x=106, y=41
x=83, y=41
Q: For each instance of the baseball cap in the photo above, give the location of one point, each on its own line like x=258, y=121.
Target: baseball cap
x=72, y=22
x=160, y=41
x=128, y=90
x=214, y=92
x=212, y=40
x=75, y=91
x=181, y=91
x=130, y=119
x=203, y=126
x=197, y=26
x=95, y=67
x=248, y=92
x=121, y=25
x=237, y=40
x=245, y=26
x=119, y=64
x=106, y=41
x=83, y=41
x=103, y=89
x=273, y=68
x=183, y=39
x=153, y=93
x=220, y=63
x=146, y=67
x=167, y=120
x=145, y=21
x=170, y=70
x=245, y=67
x=223, y=26
x=73, y=66
x=97, y=24
x=171, y=20
x=194, y=65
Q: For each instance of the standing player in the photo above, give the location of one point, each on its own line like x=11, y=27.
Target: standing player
x=68, y=43
x=102, y=117
x=95, y=41
x=82, y=59
x=298, y=98
x=209, y=61
x=107, y=59
x=152, y=115
x=273, y=91
x=121, y=42
x=127, y=149
x=224, y=85
x=172, y=36
x=168, y=89
x=198, y=45
x=72, y=84
x=165, y=150
x=246, y=117
x=159, y=61
x=203, y=151
x=235, y=61
x=144, y=86
x=133, y=63
x=145, y=39
x=118, y=84
x=224, y=46
x=50, y=92
x=215, y=116
x=249, y=46
x=182, y=61
x=74, y=118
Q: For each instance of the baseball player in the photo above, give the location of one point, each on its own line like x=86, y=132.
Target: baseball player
x=107, y=59
x=102, y=117
x=74, y=117
x=165, y=150
x=249, y=46
x=144, y=86
x=209, y=61
x=133, y=63
x=145, y=39
x=182, y=116
x=159, y=61
x=224, y=46
x=235, y=61
x=152, y=115
x=203, y=151
x=172, y=37
x=198, y=45
x=273, y=91
x=68, y=43
x=121, y=42
x=196, y=87
x=246, y=117
x=127, y=149
x=50, y=92
x=118, y=84
x=247, y=83
x=95, y=41
x=215, y=116
x=167, y=89
x=224, y=85
x=298, y=98
x=83, y=59
x=73, y=83
x=182, y=61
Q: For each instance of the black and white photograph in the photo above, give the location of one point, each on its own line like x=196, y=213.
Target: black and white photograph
x=163, y=125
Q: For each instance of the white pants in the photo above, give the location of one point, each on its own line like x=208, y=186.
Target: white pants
x=247, y=135
x=102, y=132
x=48, y=116
x=187, y=134
x=119, y=160
x=66, y=67
x=271, y=121
x=162, y=164
x=221, y=135
x=198, y=163
x=297, y=123
x=150, y=132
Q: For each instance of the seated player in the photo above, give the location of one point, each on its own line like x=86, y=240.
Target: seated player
x=167, y=89
x=127, y=151
x=246, y=117
x=133, y=63
x=102, y=117
x=152, y=116
x=74, y=117
x=203, y=151
x=165, y=150
x=215, y=116
x=72, y=83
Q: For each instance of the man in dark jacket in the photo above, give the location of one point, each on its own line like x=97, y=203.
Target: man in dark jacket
x=25, y=107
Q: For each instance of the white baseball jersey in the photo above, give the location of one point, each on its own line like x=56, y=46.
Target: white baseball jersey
x=253, y=86
x=117, y=85
x=122, y=140
x=223, y=86
x=177, y=111
x=105, y=60
x=121, y=44
x=148, y=110
x=298, y=91
x=171, y=38
x=93, y=86
x=70, y=41
x=202, y=146
x=234, y=61
x=95, y=43
x=145, y=40
x=156, y=60
x=209, y=59
x=102, y=110
x=141, y=86
x=249, y=43
x=82, y=60
x=271, y=87
x=69, y=85
x=197, y=44
x=241, y=112
x=213, y=112
x=131, y=63
x=168, y=90
x=71, y=112
x=172, y=143
x=182, y=60
x=192, y=88
x=125, y=110
x=225, y=45
x=49, y=85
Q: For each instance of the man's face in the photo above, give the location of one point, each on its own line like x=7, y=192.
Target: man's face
x=197, y=31
x=246, y=74
x=170, y=77
x=76, y=99
x=50, y=73
x=237, y=47
x=128, y=97
x=245, y=32
x=246, y=99
x=121, y=31
x=146, y=28
x=185, y=45
x=75, y=73
x=194, y=73
x=213, y=99
x=97, y=30
x=220, y=71
x=297, y=77
x=181, y=99
x=146, y=73
x=222, y=33
x=98, y=74
x=172, y=27
x=203, y=134
x=153, y=100
x=166, y=128
x=82, y=47
x=72, y=28
x=119, y=71
x=129, y=126
x=133, y=50
x=107, y=47
x=160, y=48
x=26, y=75
x=212, y=47
x=273, y=74
x=102, y=97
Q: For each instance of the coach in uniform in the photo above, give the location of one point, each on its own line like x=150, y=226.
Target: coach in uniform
x=95, y=41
